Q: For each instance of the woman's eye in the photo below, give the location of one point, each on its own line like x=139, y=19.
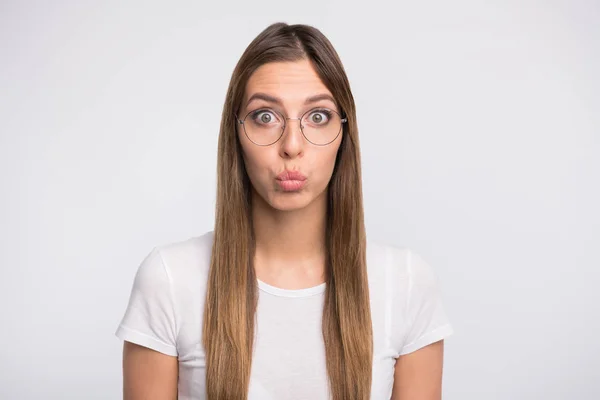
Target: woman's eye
x=319, y=117
x=264, y=117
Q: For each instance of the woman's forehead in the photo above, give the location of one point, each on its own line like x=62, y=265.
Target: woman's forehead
x=288, y=81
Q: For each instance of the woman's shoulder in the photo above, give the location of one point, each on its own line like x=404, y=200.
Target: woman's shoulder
x=406, y=290
x=382, y=254
x=187, y=259
x=400, y=263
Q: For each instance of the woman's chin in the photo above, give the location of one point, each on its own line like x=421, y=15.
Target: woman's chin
x=289, y=201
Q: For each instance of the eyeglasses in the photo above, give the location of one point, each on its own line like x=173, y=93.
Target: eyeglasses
x=265, y=126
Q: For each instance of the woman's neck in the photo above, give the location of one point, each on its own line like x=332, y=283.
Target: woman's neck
x=290, y=245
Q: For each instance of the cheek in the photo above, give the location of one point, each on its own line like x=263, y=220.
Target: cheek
x=257, y=162
x=331, y=154
x=323, y=164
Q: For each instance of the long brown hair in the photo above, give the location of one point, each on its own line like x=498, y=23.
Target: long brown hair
x=232, y=293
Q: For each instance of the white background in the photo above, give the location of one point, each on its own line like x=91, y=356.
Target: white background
x=480, y=134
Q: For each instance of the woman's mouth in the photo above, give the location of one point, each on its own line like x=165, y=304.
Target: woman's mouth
x=291, y=181
x=291, y=185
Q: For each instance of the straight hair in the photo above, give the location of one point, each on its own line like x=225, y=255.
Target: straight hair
x=232, y=291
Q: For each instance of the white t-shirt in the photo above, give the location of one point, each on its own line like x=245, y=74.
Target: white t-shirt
x=166, y=305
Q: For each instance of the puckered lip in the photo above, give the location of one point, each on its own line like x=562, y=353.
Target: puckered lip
x=291, y=176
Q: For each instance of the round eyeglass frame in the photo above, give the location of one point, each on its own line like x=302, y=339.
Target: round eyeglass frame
x=241, y=122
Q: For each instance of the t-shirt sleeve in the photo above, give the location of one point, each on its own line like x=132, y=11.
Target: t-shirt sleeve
x=427, y=320
x=149, y=318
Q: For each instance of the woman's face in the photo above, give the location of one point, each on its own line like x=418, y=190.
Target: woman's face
x=292, y=83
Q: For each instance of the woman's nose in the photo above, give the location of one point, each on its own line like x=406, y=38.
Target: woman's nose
x=293, y=139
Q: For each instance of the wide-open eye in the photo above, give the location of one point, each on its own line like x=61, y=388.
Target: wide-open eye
x=318, y=117
x=264, y=117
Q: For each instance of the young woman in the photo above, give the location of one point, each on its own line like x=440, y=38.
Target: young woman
x=285, y=299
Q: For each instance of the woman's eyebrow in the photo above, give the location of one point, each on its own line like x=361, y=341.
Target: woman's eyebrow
x=277, y=100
